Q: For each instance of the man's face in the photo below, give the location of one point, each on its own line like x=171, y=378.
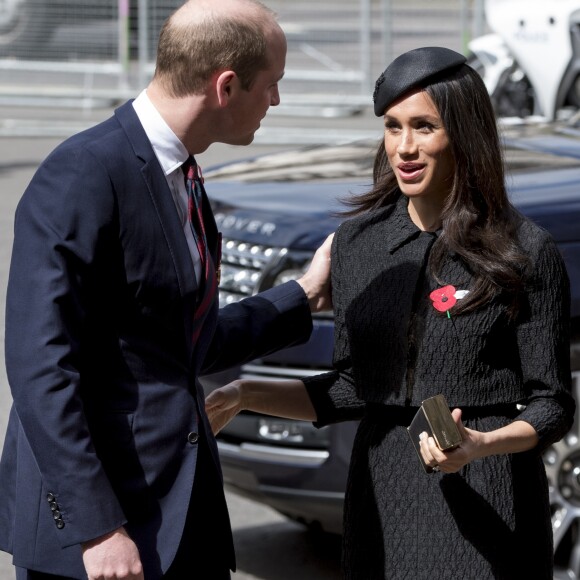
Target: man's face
x=251, y=106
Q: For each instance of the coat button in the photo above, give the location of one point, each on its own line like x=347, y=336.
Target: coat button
x=50, y=497
x=56, y=515
x=193, y=438
x=59, y=524
x=53, y=506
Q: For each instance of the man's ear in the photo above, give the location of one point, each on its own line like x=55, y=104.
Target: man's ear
x=226, y=84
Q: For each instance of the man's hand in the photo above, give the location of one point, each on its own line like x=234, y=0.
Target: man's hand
x=316, y=281
x=113, y=556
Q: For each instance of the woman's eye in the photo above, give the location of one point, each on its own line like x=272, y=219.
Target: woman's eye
x=425, y=127
x=391, y=127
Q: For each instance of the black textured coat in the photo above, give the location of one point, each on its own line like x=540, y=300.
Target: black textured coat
x=393, y=349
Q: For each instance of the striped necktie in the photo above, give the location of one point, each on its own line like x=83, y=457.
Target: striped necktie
x=197, y=197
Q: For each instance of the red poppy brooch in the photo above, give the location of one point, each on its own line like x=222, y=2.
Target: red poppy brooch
x=446, y=297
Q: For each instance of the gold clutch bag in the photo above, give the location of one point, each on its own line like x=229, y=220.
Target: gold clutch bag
x=434, y=418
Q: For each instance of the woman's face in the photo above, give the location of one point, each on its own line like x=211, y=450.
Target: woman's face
x=418, y=148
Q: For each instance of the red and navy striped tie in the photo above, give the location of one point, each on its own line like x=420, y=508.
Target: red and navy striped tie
x=197, y=197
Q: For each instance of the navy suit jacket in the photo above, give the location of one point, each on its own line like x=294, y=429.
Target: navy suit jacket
x=100, y=359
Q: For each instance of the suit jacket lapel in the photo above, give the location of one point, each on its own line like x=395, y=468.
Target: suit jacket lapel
x=160, y=195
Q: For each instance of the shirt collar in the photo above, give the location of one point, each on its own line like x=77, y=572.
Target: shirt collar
x=169, y=150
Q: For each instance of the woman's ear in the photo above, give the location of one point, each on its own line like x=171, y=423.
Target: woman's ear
x=225, y=84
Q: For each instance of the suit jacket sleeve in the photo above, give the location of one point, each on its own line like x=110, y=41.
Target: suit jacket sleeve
x=60, y=226
x=259, y=325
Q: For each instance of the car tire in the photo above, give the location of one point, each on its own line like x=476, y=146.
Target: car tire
x=562, y=461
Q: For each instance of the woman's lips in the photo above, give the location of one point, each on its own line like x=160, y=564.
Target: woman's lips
x=410, y=171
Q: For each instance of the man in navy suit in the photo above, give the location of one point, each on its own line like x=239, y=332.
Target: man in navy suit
x=109, y=468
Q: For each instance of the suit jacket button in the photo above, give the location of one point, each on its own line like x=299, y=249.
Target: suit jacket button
x=193, y=438
x=50, y=497
x=56, y=515
x=59, y=524
x=53, y=506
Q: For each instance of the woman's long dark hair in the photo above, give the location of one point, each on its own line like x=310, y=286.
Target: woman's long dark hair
x=478, y=222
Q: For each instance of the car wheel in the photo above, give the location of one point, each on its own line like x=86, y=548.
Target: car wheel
x=21, y=27
x=562, y=461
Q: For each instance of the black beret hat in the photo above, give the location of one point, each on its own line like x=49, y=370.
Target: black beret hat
x=410, y=70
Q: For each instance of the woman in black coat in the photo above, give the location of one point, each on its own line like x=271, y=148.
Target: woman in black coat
x=439, y=287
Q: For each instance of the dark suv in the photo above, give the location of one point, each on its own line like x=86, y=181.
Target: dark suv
x=274, y=211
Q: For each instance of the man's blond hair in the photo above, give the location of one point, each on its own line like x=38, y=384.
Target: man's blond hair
x=202, y=38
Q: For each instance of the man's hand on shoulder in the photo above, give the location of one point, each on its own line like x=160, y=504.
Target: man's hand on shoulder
x=316, y=281
x=113, y=556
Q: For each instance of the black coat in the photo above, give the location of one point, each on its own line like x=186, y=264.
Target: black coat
x=393, y=349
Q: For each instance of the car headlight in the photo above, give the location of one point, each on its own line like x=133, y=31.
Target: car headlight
x=287, y=275
x=294, y=274
x=249, y=268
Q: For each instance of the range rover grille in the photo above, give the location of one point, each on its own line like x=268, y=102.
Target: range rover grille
x=243, y=268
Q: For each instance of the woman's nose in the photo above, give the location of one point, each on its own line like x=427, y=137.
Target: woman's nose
x=407, y=143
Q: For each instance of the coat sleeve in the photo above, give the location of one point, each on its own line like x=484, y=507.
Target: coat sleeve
x=334, y=394
x=60, y=224
x=544, y=342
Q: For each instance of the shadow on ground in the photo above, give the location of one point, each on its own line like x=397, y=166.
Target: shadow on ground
x=281, y=551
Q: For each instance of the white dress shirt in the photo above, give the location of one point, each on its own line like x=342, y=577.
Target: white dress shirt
x=171, y=154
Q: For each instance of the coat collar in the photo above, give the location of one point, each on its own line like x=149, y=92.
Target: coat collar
x=402, y=230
